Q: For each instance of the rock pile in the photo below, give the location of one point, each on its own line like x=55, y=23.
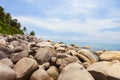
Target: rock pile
x=29, y=58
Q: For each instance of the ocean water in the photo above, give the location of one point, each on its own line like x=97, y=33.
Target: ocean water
x=96, y=46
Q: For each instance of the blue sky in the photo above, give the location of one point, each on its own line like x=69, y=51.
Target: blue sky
x=69, y=20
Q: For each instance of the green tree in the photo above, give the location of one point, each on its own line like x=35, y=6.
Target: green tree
x=32, y=33
x=9, y=25
x=25, y=30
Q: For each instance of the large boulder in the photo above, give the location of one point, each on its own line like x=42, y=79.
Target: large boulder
x=6, y=50
x=15, y=43
x=18, y=49
x=87, y=56
x=98, y=70
x=6, y=73
x=53, y=72
x=17, y=56
x=113, y=71
x=25, y=67
x=40, y=74
x=2, y=55
x=110, y=55
x=7, y=62
x=75, y=71
x=44, y=55
x=105, y=70
x=67, y=60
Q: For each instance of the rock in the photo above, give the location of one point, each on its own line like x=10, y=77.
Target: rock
x=6, y=50
x=6, y=73
x=53, y=60
x=3, y=42
x=61, y=55
x=31, y=38
x=53, y=72
x=11, y=46
x=105, y=70
x=46, y=65
x=113, y=71
x=18, y=49
x=15, y=43
x=86, y=56
x=44, y=55
x=110, y=55
x=2, y=55
x=86, y=64
x=17, y=56
x=86, y=47
x=44, y=44
x=40, y=74
x=75, y=71
x=61, y=49
x=7, y=62
x=71, y=52
x=98, y=70
x=67, y=60
x=25, y=67
x=98, y=52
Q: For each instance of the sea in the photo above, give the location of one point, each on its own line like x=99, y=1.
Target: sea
x=96, y=46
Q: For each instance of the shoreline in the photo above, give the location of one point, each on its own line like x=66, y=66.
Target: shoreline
x=29, y=58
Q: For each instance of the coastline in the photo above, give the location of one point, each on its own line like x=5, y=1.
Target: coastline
x=30, y=58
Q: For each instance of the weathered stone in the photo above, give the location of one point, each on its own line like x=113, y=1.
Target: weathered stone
x=87, y=56
x=6, y=73
x=46, y=65
x=2, y=55
x=113, y=71
x=67, y=60
x=7, y=62
x=53, y=72
x=44, y=55
x=75, y=71
x=18, y=49
x=40, y=74
x=98, y=70
x=15, y=43
x=61, y=55
x=71, y=52
x=6, y=50
x=3, y=42
x=25, y=67
x=110, y=55
x=17, y=56
x=44, y=44
x=86, y=64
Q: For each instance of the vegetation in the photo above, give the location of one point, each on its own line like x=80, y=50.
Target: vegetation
x=32, y=33
x=9, y=25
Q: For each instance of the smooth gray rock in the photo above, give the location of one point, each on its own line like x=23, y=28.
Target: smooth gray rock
x=7, y=62
x=40, y=74
x=44, y=55
x=75, y=71
x=25, y=67
x=6, y=73
x=2, y=55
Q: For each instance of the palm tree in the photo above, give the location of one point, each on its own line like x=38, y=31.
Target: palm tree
x=25, y=30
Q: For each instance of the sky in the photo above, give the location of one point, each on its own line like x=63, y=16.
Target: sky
x=96, y=21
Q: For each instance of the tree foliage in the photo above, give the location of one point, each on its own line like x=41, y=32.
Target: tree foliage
x=32, y=33
x=9, y=25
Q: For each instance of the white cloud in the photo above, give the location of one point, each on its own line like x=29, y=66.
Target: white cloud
x=56, y=24
x=80, y=16
x=90, y=27
x=29, y=1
